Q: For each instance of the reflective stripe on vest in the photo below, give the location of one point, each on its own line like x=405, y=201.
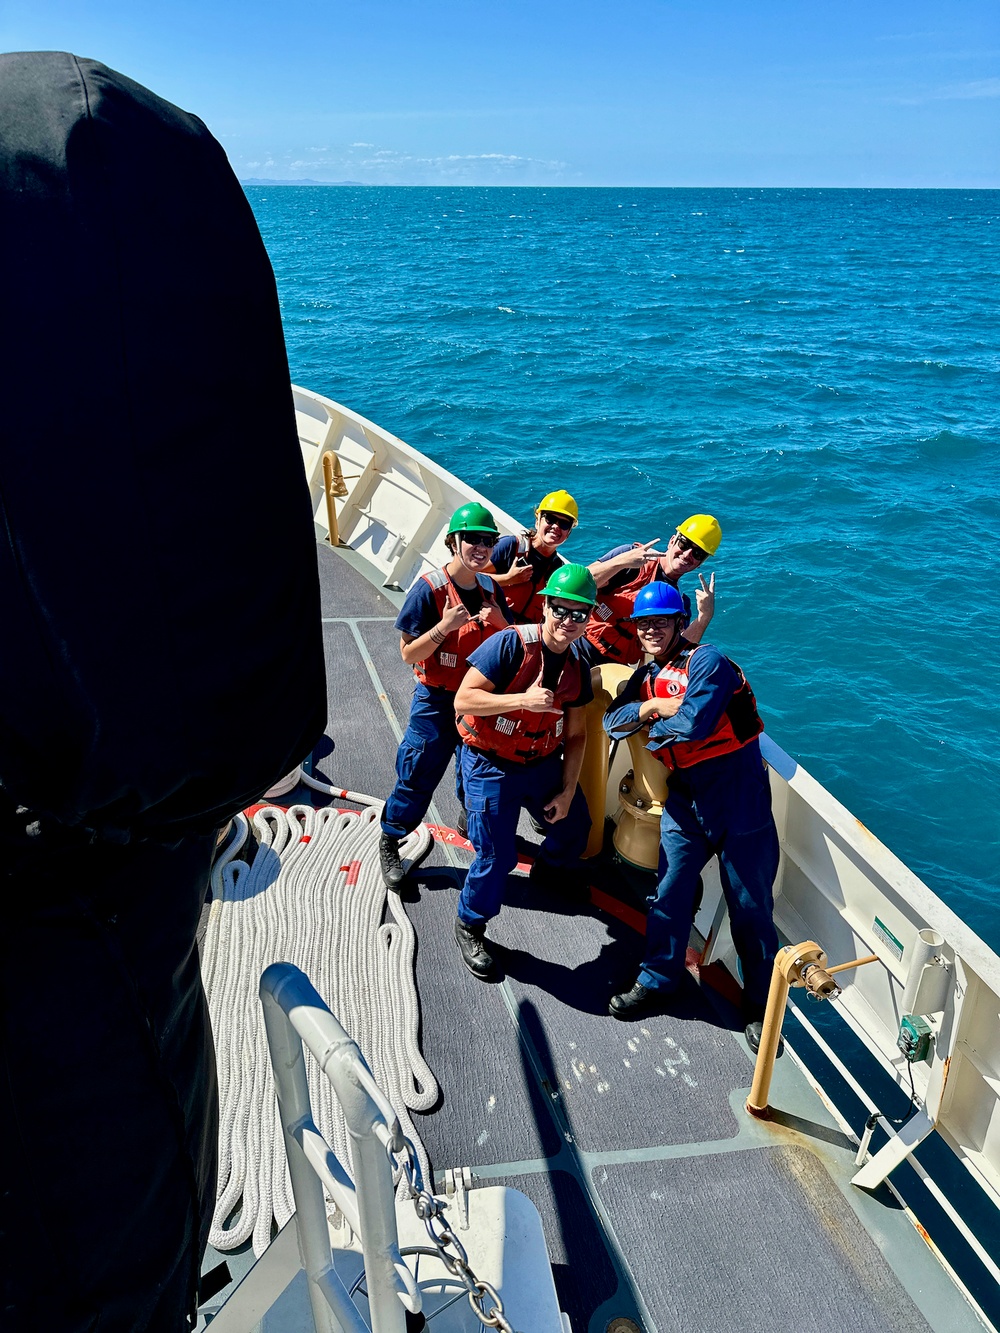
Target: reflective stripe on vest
x=523, y=736
x=610, y=630
x=446, y=667
x=739, y=724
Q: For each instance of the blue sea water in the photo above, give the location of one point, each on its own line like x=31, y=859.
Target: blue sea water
x=818, y=368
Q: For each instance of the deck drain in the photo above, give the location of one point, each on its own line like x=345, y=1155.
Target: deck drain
x=622, y=1325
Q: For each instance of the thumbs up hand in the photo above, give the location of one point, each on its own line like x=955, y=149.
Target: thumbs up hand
x=537, y=699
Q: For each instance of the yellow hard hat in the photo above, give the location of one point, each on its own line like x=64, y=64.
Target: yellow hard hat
x=703, y=530
x=560, y=502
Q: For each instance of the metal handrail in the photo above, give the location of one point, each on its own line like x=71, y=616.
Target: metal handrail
x=295, y=1014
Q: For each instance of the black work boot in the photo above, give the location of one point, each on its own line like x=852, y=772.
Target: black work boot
x=462, y=824
x=475, y=955
x=639, y=1002
x=388, y=858
x=754, y=1031
x=753, y=1017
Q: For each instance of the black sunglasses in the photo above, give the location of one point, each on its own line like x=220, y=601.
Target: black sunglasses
x=560, y=520
x=686, y=544
x=579, y=615
x=488, y=539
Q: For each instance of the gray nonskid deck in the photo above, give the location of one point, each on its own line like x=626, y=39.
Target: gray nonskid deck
x=661, y=1200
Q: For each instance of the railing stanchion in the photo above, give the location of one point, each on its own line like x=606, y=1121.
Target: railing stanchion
x=295, y=1014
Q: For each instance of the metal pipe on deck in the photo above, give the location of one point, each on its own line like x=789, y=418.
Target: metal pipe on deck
x=855, y=962
x=335, y=487
x=795, y=965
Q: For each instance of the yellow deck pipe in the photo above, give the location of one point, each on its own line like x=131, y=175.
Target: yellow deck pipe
x=855, y=962
x=795, y=965
x=335, y=488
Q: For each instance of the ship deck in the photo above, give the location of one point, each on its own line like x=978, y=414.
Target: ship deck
x=662, y=1201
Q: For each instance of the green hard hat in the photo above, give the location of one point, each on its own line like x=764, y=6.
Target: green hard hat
x=573, y=582
x=472, y=518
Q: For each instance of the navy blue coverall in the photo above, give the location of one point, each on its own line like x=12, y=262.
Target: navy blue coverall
x=496, y=790
x=721, y=806
x=430, y=741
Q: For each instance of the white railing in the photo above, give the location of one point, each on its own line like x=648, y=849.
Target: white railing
x=840, y=886
x=294, y=1014
x=398, y=503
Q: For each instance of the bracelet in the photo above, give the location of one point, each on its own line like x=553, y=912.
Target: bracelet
x=437, y=635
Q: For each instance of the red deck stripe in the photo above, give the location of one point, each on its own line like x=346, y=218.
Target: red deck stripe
x=621, y=911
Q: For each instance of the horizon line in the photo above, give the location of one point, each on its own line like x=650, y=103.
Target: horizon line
x=513, y=185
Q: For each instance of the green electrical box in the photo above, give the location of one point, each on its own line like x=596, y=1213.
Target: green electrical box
x=914, y=1038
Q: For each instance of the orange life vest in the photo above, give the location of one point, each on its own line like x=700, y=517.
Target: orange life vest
x=739, y=724
x=610, y=629
x=525, y=599
x=447, y=665
x=523, y=736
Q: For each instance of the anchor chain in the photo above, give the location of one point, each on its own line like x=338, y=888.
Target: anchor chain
x=449, y=1248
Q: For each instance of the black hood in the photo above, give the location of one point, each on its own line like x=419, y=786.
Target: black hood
x=162, y=654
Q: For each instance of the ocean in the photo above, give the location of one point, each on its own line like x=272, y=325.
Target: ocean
x=820, y=369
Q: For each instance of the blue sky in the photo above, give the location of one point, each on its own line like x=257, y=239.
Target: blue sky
x=639, y=92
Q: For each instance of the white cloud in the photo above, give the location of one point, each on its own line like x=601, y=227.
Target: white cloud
x=370, y=164
x=975, y=89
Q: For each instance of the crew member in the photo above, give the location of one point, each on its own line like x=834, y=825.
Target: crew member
x=522, y=720
x=524, y=564
x=625, y=569
x=124, y=745
x=703, y=725
x=447, y=614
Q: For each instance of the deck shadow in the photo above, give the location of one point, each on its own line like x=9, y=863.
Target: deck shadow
x=490, y=1111
x=665, y=1079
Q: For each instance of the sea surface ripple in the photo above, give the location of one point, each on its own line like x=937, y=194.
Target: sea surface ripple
x=818, y=368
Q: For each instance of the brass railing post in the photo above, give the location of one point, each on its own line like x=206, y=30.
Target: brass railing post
x=335, y=488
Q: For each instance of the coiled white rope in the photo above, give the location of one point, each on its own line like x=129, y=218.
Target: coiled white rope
x=313, y=897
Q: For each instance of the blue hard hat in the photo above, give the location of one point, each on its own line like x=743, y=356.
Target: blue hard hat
x=657, y=599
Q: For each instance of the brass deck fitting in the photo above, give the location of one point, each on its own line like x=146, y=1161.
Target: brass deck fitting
x=794, y=965
x=335, y=488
